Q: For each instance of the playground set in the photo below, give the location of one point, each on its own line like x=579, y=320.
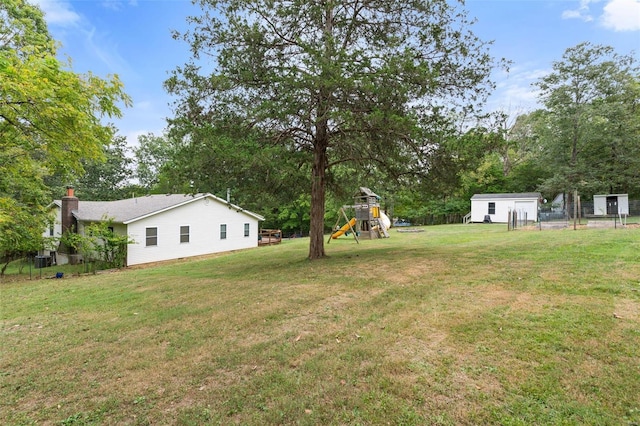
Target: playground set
x=369, y=222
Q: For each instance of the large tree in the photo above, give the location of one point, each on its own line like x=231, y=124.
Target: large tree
x=364, y=81
x=590, y=125
x=151, y=155
x=50, y=121
x=109, y=178
x=222, y=161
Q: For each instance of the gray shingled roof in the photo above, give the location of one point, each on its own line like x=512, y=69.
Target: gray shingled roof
x=517, y=195
x=132, y=209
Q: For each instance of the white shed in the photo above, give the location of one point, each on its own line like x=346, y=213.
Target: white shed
x=611, y=204
x=498, y=206
x=164, y=227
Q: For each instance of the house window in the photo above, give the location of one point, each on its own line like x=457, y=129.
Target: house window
x=152, y=237
x=223, y=231
x=184, y=234
x=492, y=208
x=51, y=231
x=246, y=229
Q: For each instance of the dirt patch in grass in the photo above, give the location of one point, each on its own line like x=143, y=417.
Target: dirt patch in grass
x=469, y=330
x=409, y=272
x=627, y=310
x=486, y=298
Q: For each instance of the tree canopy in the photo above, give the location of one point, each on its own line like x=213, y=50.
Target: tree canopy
x=366, y=82
x=50, y=121
x=108, y=178
x=590, y=127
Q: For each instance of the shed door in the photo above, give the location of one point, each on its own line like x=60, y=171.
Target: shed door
x=612, y=205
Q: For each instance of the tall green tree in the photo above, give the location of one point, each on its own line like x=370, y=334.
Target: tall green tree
x=590, y=123
x=151, y=155
x=108, y=178
x=103, y=179
x=512, y=145
x=513, y=140
x=50, y=121
x=217, y=159
x=362, y=81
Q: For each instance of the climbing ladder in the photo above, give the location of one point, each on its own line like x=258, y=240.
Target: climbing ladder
x=382, y=228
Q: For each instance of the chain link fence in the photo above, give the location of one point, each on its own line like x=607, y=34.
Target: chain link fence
x=557, y=217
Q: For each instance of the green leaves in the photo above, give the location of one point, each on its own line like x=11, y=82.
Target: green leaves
x=107, y=179
x=590, y=133
x=21, y=230
x=364, y=83
x=49, y=117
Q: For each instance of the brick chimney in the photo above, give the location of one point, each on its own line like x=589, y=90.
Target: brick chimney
x=69, y=204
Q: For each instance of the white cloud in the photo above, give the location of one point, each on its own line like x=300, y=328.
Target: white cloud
x=515, y=92
x=132, y=136
x=59, y=13
x=105, y=50
x=524, y=95
x=617, y=15
x=571, y=14
x=117, y=5
x=530, y=75
x=622, y=15
x=66, y=24
x=582, y=12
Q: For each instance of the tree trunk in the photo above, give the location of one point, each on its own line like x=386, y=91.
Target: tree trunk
x=318, y=171
x=506, y=162
x=320, y=144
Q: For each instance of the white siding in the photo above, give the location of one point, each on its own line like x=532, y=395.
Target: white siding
x=56, y=213
x=526, y=209
x=623, y=204
x=204, y=217
x=600, y=204
x=480, y=208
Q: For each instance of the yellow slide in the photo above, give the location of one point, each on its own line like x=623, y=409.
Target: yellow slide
x=344, y=228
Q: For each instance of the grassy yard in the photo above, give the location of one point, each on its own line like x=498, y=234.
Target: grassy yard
x=454, y=325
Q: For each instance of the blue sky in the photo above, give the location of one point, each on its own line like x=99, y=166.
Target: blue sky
x=132, y=38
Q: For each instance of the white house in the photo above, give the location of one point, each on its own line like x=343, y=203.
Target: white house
x=164, y=227
x=498, y=206
x=611, y=204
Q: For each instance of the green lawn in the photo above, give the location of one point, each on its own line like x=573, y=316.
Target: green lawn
x=460, y=324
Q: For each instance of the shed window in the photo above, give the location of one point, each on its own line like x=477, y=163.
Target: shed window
x=492, y=208
x=223, y=231
x=246, y=229
x=184, y=234
x=152, y=236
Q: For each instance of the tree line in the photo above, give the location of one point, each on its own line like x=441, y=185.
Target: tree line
x=294, y=105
